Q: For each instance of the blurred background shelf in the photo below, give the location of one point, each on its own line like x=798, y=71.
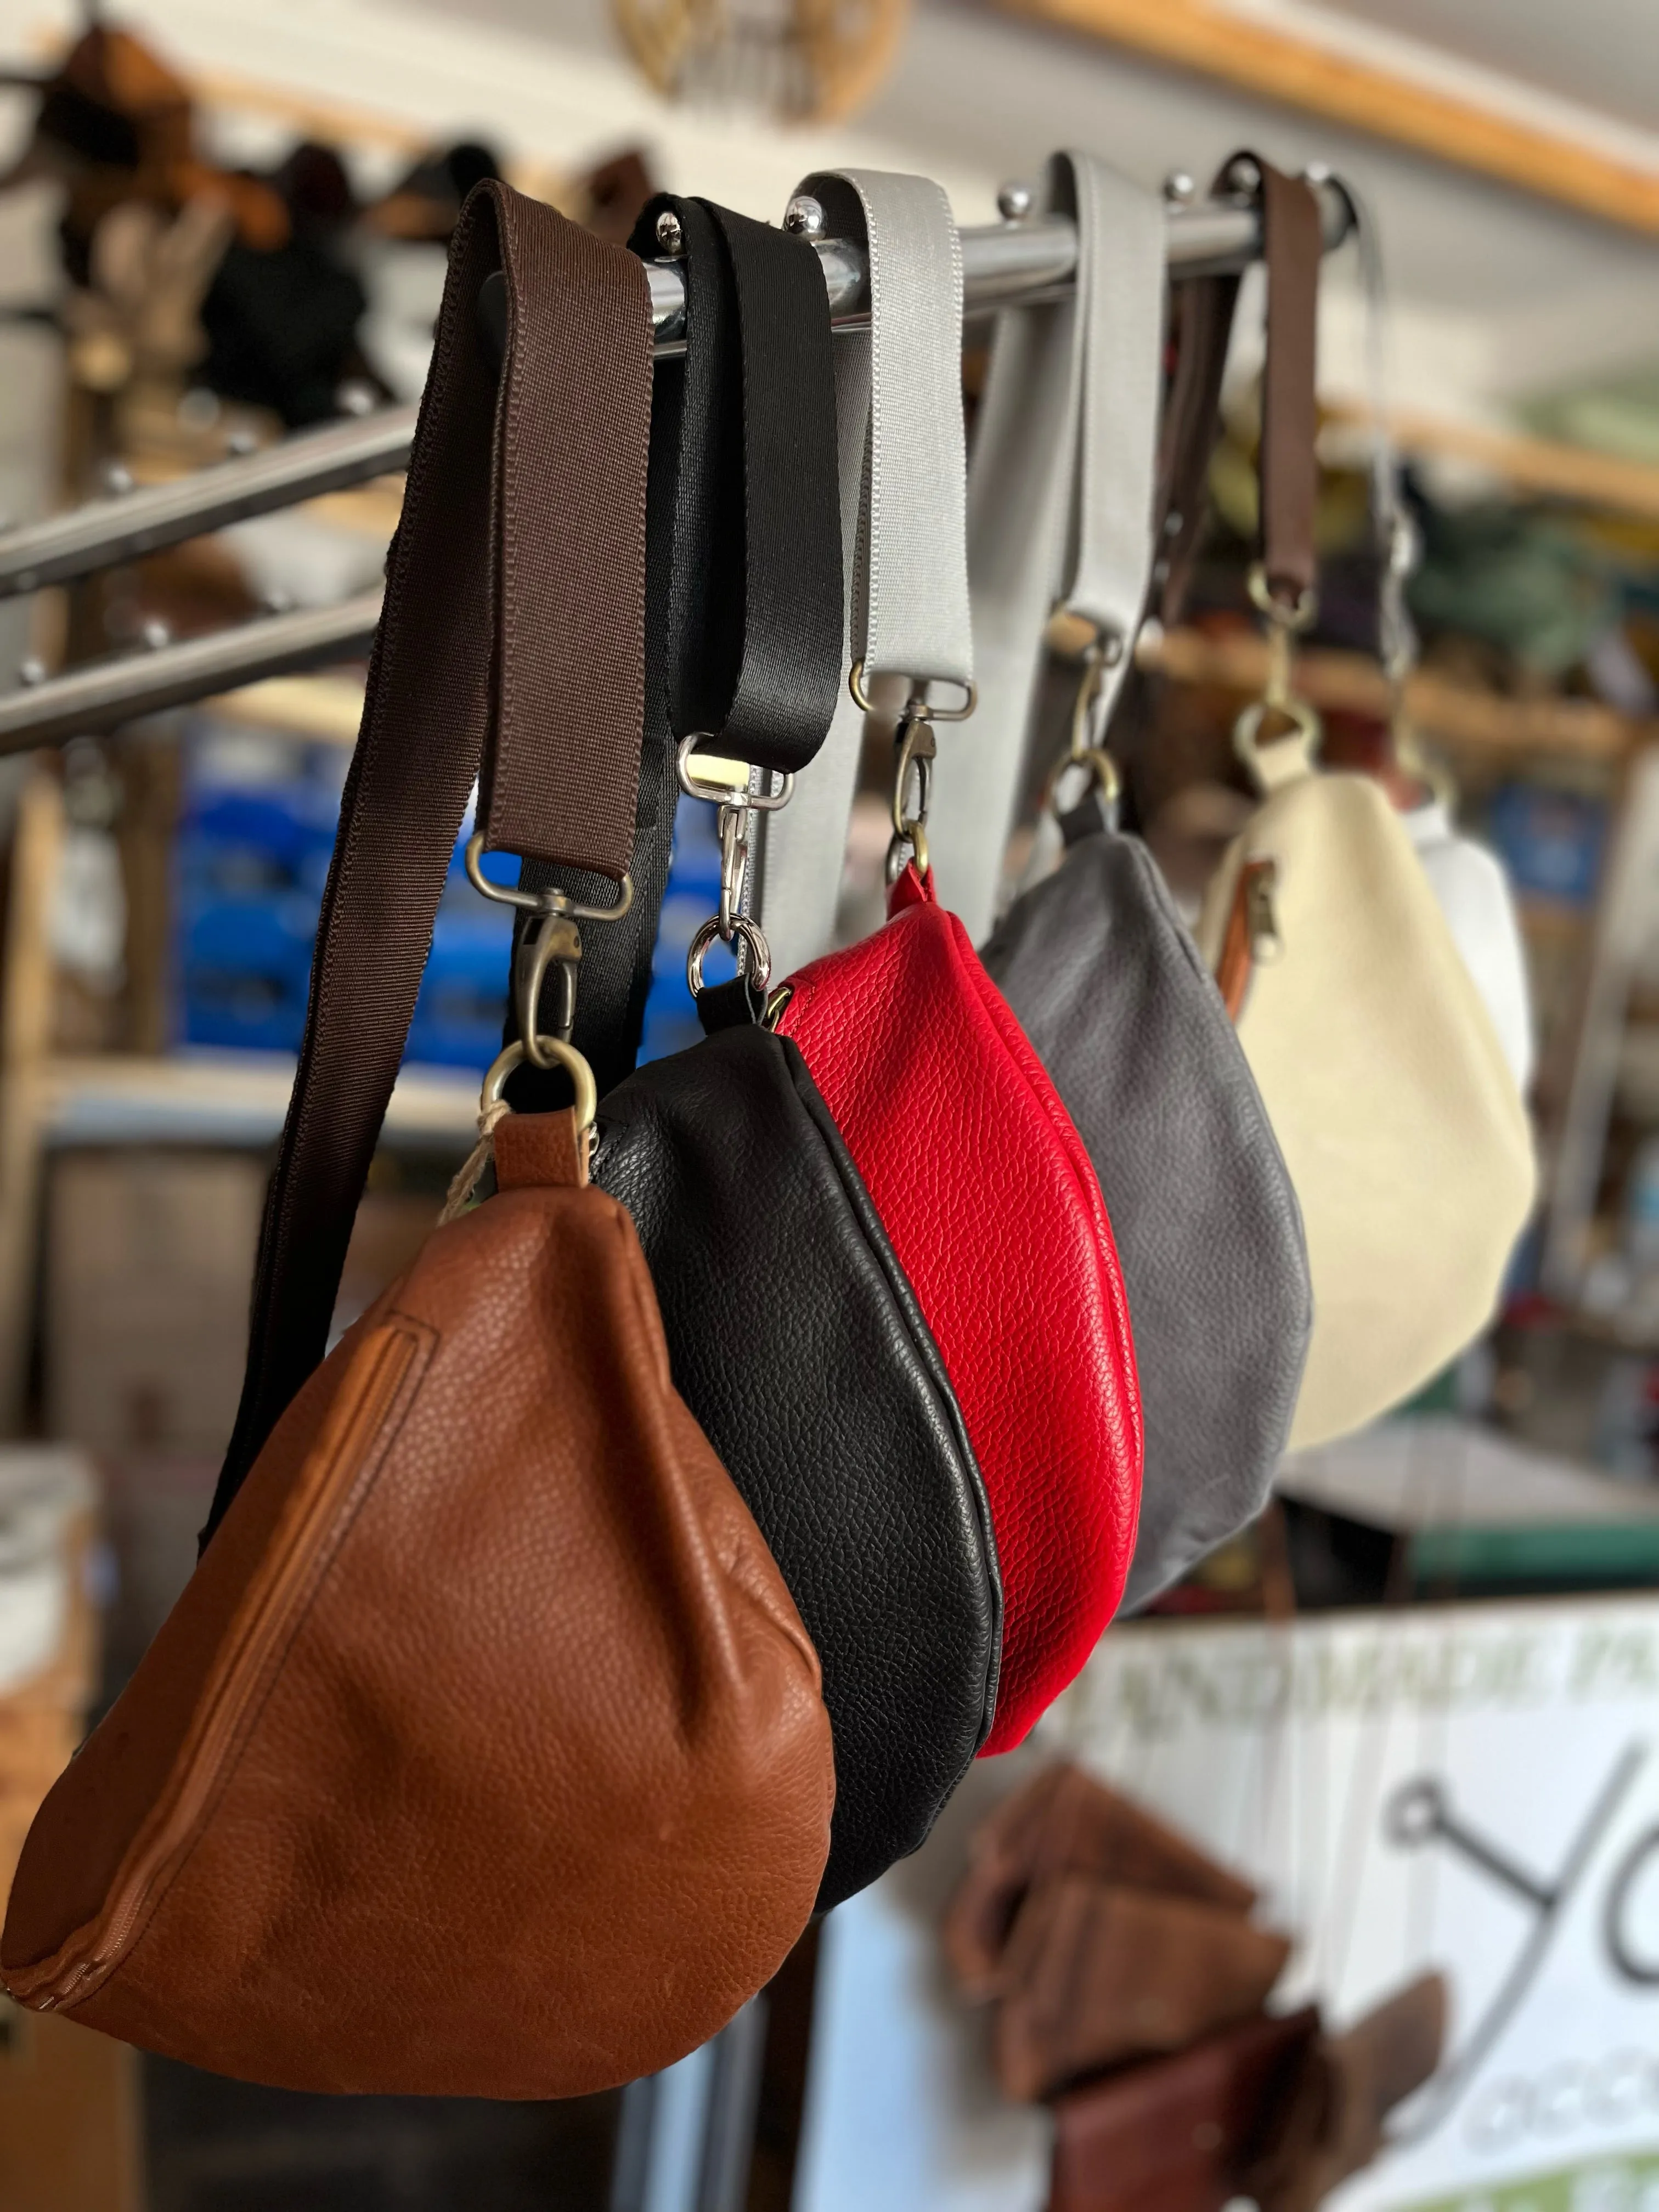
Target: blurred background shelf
x=227, y=1099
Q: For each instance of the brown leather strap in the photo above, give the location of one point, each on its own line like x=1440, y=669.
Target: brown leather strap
x=1292, y=246
x=1204, y=307
x=512, y=644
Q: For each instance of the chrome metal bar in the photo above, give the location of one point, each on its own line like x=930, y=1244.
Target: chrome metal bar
x=119, y=528
x=106, y=692
x=1002, y=264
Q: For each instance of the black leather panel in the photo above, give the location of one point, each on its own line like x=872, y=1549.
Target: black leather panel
x=795, y=1340
x=1111, y=990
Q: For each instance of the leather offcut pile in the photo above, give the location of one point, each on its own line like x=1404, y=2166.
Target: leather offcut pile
x=1129, y=1985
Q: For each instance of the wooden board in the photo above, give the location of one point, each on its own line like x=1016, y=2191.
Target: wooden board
x=1277, y=64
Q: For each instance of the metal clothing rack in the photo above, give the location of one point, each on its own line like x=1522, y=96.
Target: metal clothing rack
x=1023, y=260
x=686, y=2136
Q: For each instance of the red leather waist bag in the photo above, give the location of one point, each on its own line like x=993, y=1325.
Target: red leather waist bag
x=992, y=1208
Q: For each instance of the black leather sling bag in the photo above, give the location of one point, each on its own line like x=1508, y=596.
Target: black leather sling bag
x=793, y=1333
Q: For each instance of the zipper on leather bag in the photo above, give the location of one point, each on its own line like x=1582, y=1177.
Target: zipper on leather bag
x=1251, y=938
x=96, y=1950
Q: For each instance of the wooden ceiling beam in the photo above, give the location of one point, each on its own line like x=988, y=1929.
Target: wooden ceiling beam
x=1279, y=65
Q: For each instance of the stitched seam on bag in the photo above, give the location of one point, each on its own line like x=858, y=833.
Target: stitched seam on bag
x=931, y=1363
x=1085, y=1185
x=425, y=1340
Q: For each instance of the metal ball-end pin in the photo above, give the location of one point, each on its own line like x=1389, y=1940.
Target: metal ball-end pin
x=30, y=672
x=804, y=217
x=1180, y=188
x=670, y=234
x=240, y=443
x=118, y=479
x=1014, y=203
x=1244, y=178
x=155, y=633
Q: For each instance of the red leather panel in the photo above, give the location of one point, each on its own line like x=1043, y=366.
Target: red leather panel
x=995, y=1215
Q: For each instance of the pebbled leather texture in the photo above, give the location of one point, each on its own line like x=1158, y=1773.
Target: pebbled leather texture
x=1110, y=987
x=996, y=1218
x=526, y=1786
x=798, y=1345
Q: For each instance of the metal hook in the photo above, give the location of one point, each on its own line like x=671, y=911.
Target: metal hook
x=548, y=940
x=753, y=939
x=548, y=902
x=918, y=707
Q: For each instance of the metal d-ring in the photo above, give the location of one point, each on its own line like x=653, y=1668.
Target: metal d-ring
x=548, y=902
x=560, y=1054
x=919, y=708
x=1305, y=726
x=759, y=971
x=1298, y=615
x=722, y=794
x=1101, y=770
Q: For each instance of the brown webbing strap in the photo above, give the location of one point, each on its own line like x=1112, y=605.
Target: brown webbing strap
x=512, y=645
x=1293, y=246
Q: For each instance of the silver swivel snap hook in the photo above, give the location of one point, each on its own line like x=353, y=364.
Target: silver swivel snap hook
x=726, y=784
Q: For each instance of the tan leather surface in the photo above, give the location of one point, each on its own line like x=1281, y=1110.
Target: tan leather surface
x=534, y=1790
x=1094, y=1975
x=1064, y=1821
x=1330, y=2124
x=80, y=1836
x=1399, y=1119
x=540, y=1148
x=1176, y=2135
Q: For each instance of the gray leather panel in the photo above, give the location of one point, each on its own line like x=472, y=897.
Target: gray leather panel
x=1109, y=986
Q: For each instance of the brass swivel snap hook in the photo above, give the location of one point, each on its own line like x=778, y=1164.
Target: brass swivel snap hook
x=1087, y=754
x=549, y=938
x=913, y=749
x=1280, y=703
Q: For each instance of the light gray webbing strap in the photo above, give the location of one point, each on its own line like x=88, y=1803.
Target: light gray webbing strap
x=903, y=470
x=1059, y=507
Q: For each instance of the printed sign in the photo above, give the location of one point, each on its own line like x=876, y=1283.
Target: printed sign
x=1473, y=1788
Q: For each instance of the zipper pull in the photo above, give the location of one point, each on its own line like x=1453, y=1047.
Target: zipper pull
x=1261, y=918
x=1251, y=934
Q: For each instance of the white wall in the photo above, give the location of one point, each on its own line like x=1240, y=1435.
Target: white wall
x=1496, y=296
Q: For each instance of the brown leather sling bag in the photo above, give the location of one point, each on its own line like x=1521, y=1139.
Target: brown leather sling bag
x=483, y=1753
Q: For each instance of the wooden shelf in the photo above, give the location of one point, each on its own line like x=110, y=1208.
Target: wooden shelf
x=1454, y=714
x=1528, y=464
x=227, y=1098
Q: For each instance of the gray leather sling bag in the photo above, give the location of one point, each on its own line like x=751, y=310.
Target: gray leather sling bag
x=1094, y=960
